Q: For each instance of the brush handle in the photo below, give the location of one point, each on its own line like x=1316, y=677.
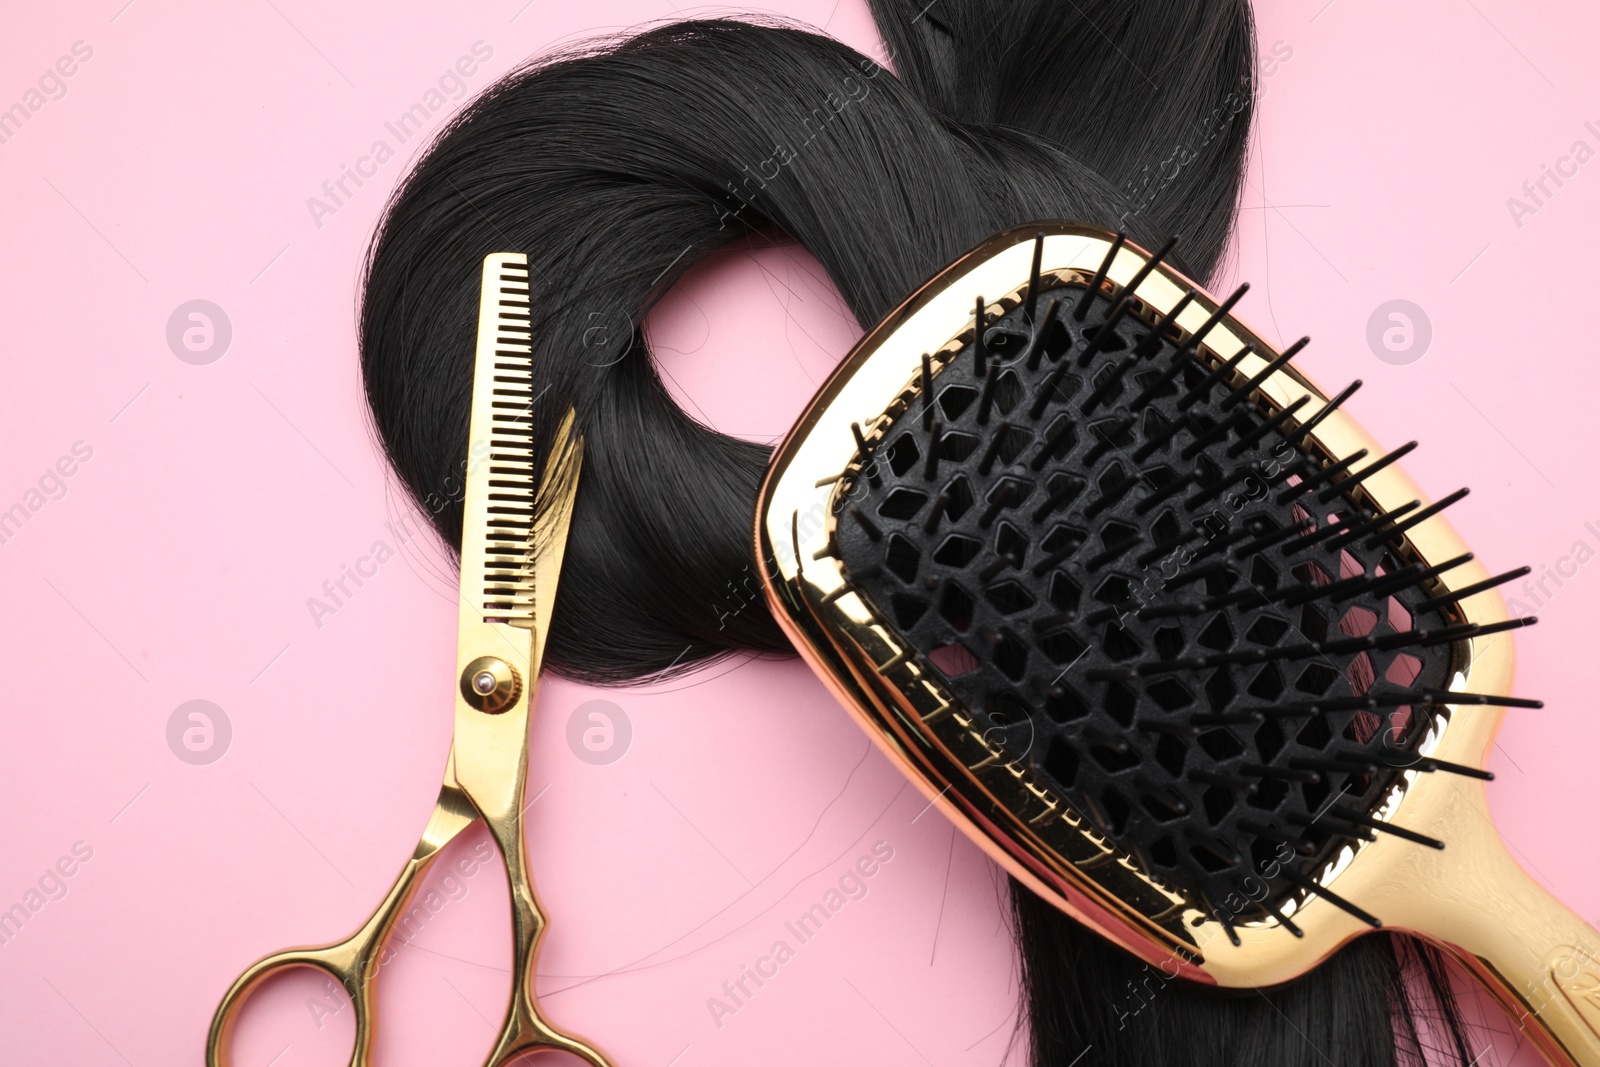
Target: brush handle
x=1538, y=958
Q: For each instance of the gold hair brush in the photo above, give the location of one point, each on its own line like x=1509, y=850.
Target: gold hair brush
x=1161, y=628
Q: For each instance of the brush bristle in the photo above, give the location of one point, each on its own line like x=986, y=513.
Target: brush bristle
x=1176, y=609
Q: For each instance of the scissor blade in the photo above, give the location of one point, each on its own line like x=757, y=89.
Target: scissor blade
x=497, y=575
x=452, y=813
x=513, y=538
x=558, y=491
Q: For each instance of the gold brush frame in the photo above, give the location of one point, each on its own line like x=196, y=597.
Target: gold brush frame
x=1536, y=957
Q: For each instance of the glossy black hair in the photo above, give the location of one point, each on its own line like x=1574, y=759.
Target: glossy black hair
x=619, y=165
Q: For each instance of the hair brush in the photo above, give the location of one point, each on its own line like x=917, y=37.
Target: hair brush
x=1160, y=627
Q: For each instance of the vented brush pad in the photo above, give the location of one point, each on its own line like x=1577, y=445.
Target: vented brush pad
x=1079, y=671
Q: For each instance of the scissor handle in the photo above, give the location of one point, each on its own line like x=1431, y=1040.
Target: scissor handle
x=526, y=1030
x=353, y=962
x=340, y=961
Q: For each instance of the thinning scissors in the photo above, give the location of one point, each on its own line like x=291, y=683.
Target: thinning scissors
x=514, y=535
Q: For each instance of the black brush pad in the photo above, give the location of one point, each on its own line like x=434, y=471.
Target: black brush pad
x=1217, y=775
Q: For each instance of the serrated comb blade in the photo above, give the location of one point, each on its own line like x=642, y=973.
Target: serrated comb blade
x=497, y=596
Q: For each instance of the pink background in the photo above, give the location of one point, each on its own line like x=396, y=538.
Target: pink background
x=219, y=498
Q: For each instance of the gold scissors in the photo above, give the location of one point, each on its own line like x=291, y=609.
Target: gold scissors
x=513, y=539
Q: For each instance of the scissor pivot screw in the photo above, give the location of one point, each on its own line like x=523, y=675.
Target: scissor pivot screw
x=490, y=684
